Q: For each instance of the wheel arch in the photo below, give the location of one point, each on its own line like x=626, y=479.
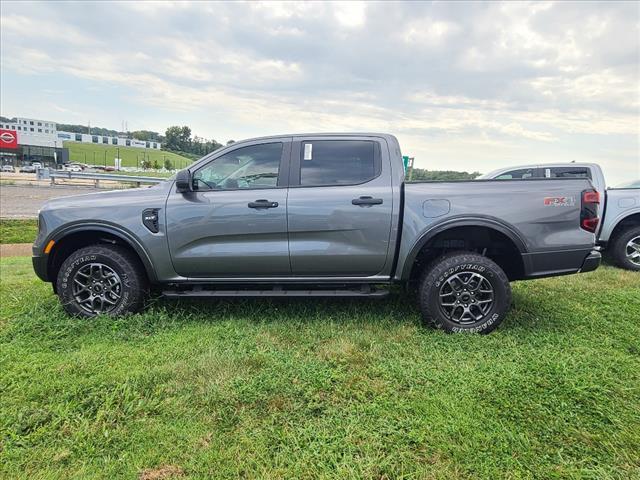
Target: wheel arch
x=630, y=219
x=77, y=236
x=465, y=226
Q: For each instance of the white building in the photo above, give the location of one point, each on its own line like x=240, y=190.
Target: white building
x=45, y=134
x=105, y=140
x=40, y=133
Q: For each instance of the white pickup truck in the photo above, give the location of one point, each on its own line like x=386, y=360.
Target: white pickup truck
x=619, y=231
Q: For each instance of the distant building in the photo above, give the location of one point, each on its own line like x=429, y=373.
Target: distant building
x=40, y=141
x=106, y=140
x=27, y=140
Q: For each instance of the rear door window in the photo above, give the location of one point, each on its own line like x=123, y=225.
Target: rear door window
x=338, y=162
x=567, y=172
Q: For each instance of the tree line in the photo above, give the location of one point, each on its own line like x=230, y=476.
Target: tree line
x=441, y=175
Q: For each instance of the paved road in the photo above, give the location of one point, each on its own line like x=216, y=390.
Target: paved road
x=24, y=201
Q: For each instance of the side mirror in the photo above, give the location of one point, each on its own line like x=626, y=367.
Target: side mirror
x=183, y=181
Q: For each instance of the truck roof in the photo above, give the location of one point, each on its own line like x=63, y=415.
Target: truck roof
x=321, y=134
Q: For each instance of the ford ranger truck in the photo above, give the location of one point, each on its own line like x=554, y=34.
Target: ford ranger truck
x=316, y=215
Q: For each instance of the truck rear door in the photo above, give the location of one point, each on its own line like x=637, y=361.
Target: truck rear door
x=339, y=206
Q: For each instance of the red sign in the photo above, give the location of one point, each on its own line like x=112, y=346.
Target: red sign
x=8, y=139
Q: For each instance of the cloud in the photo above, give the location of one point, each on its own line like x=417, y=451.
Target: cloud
x=554, y=80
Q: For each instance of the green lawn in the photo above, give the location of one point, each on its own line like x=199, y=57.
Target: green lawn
x=18, y=230
x=322, y=389
x=131, y=156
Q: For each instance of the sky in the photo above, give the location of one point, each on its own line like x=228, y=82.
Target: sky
x=464, y=86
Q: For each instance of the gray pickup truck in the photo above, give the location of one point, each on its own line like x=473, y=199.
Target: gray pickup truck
x=316, y=215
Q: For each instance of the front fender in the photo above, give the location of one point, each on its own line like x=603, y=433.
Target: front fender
x=42, y=261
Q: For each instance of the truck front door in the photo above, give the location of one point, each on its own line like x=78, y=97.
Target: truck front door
x=234, y=223
x=339, y=206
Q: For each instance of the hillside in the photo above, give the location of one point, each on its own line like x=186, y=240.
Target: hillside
x=96, y=154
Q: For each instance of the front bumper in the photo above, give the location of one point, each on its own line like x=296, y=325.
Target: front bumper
x=591, y=262
x=40, y=266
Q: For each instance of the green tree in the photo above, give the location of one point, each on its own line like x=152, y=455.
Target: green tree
x=146, y=135
x=178, y=138
x=442, y=175
x=168, y=164
x=156, y=165
x=146, y=164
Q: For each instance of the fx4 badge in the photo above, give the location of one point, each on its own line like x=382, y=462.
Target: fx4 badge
x=559, y=201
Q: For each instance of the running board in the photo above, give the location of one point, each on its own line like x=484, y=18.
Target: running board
x=199, y=292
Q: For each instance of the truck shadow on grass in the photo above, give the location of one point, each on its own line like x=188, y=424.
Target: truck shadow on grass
x=396, y=309
x=44, y=319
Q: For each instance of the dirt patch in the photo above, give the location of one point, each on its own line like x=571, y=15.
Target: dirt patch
x=15, y=250
x=160, y=473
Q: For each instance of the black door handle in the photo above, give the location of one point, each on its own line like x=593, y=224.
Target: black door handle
x=366, y=201
x=262, y=203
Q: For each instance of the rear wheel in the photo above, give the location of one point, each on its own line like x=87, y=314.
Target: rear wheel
x=464, y=292
x=101, y=280
x=625, y=249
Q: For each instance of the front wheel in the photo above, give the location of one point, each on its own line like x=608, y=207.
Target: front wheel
x=464, y=292
x=101, y=280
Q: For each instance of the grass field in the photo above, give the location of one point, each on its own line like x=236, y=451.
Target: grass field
x=131, y=156
x=322, y=389
x=18, y=231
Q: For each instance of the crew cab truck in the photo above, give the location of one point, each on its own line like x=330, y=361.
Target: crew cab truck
x=619, y=231
x=316, y=215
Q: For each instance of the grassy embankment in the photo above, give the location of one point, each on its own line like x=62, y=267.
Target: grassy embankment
x=94, y=154
x=322, y=389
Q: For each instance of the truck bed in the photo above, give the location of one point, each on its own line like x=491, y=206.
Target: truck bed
x=541, y=217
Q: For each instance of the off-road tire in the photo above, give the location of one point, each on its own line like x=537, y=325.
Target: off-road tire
x=618, y=248
x=448, y=269
x=133, y=284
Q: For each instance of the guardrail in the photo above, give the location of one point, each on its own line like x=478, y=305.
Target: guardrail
x=96, y=177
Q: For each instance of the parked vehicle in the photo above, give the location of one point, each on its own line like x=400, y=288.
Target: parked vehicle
x=27, y=169
x=8, y=169
x=36, y=165
x=619, y=232
x=72, y=168
x=316, y=215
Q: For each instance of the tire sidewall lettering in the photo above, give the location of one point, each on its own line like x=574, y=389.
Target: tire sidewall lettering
x=465, y=267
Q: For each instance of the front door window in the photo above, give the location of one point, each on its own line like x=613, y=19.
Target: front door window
x=253, y=167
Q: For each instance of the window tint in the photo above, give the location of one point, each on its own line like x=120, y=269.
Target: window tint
x=338, y=162
x=255, y=166
x=567, y=172
x=521, y=174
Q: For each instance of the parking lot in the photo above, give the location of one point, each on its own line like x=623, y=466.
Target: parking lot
x=23, y=201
